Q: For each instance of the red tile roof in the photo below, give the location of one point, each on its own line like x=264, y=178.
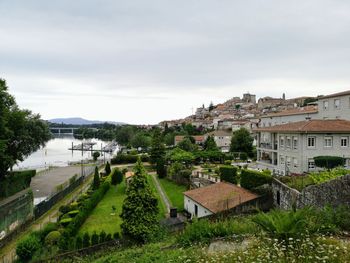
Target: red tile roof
x=197, y=138
x=315, y=126
x=220, y=196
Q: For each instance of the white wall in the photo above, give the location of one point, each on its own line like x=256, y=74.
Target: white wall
x=189, y=206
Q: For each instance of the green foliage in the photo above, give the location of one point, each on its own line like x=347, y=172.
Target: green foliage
x=157, y=147
x=27, y=247
x=203, y=231
x=140, y=208
x=228, y=174
x=94, y=239
x=65, y=222
x=73, y=213
x=187, y=145
x=117, y=176
x=21, y=131
x=161, y=168
x=107, y=169
x=141, y=140
x=78, y=242
x=210, y=144
x=129, y=158
x=329, y=162
x=95, y=155
x=15, y=182
x=179, y=155
x=251, y=179
x=174, y=192
x=116, y=236
x=96, y=182
x=179, y=173
x=52, y=238
x=212, y=156
x=86, y=240
x=102, y=237
x=321, y=177
x=242, y=141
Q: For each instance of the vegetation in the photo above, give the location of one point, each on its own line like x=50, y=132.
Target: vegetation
x=251, y=179
x=161, y=205
x=140, y=208
x=174, y=192
x=15, y=182
x=107, y=168
x=95, y=155
x=210, y=144
x=179, y=173
x=128, y=158
x=117, y=176
x=329, y=162
x=228, y=174
x=180, y=155
x=21, y=131
x=321, y=177
x=242, y=141
x=27, y=247
x=96, y=181
x=157, y=154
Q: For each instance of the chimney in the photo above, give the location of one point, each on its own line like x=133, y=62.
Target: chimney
x=173, y=212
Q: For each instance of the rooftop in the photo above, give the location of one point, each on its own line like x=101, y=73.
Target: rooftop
x=315, y=126
x=343, y=93
x=220, y=196
x=294, y=111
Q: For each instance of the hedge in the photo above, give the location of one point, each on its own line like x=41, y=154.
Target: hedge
x=251, y=179
x=15, y=182
x=329, y=162
x=228, y=174
x=129, y=158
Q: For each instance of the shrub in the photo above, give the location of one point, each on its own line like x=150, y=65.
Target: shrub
x=94, y=239
x=49, y=227
x=52, y=238
x=117, y=177
x=64, y=209
x=129, y=158
x=102, y=237
x=228, y=174
x=96, y=182
x=86, y=240
x=108, y=237
x=78, y=242
x=228, y=162
x=329, y=162
x=73, y=213
x=95, y=155
x=65, y=222
x=107, y=169
x=116, y=235
x=27, y=247
x=251, y=179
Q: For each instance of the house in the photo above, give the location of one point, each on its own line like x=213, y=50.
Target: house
x=335, y=106
x=199, y=139
x=222, y=139
x=290, y=148
x=215, y=198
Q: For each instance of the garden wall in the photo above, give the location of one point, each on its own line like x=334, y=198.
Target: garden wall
x=335, y=192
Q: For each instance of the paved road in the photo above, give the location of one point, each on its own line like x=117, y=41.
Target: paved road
x=161, y=192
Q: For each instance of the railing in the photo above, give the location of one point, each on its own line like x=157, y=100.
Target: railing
x=268, y=146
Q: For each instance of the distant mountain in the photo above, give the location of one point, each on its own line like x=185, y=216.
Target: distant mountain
x=80, y=121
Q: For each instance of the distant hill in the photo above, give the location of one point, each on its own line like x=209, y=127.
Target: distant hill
x=80, y=121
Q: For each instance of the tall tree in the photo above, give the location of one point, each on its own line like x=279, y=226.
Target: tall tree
x=96, y=181
x=242, y=141
x=108, y=168
x=140, y=208
x=21, y=131
x=157, y=153
x=117, y=176
x=211, y=106
x=210, y=144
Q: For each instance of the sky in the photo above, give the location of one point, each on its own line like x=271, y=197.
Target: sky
x=142, y=62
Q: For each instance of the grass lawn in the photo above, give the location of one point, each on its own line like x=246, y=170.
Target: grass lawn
x=174, y=192
x=101, y=218
x=161, y=205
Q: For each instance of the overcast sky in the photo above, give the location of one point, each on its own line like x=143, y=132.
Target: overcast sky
x=146, y=61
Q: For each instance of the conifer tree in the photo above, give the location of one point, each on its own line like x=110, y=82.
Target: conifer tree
x=108, y=169
x=140, y=208
x=96, y=182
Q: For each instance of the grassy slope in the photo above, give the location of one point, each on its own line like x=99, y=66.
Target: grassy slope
x=101, y=218
x=174, y=192
x=161, y=205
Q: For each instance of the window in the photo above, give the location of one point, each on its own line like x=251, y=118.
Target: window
x=325, y=105
x=288, y=161
x=282, y=160
x=344, y=141
x=288, y=142
x=328, y=141
x=337, y=104
x=311, y=164
x=311, y=142
x=295, y=162
x=295, y=143
x=281, y=142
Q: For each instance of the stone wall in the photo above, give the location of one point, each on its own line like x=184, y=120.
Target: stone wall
x=335, y=192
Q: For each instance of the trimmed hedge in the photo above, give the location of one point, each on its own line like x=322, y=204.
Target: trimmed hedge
x=228, y=174
x=329, y=162
x=15, y=182
x=129, y=158
x=251, y=179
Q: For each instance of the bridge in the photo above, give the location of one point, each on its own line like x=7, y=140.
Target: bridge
x=65, y=130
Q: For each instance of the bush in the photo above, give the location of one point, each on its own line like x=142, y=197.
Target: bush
x=108, y=237
x=86, y=240
x=64, y=209
x=96, y=181
x=228, y=174
x=116, y=236
x=102, y=237
x=73, y=213
x=78, y=242
x=65, y=222
x=107, y=169
x=27, y=247
x=128, y=158
x=49, y=227
x=15, y=182
x=329, y=162
x=117, y=177
x=52, y=238
x=251, y=179
x=94, y=239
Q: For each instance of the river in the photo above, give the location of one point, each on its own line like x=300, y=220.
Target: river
x=56, y=153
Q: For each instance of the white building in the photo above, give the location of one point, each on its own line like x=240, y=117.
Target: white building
x=290, y=148
x=222, y=139
x=334, y=106
x=215, y=198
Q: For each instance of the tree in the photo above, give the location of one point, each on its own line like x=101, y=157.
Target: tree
x=157, y=147
x=95, y=155
x=140, y=140
x=179, y=155
x=210, y=144
x=211, y=106
x=140, y=208
x=96, y=182
x=108, y=168
x=161, y=168
x=242, y=141
x=187, y=145
x=117, y=176
x=21, y=131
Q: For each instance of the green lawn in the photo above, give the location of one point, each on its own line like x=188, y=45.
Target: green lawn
x=174, y=192
x=101, y=218
x=161, y=205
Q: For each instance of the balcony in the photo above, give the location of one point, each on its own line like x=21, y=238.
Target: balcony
x=268, y=146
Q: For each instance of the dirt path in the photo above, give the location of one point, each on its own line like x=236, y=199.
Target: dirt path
x=161, y=192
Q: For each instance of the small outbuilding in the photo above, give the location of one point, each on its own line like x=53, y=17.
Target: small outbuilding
x=215, y=198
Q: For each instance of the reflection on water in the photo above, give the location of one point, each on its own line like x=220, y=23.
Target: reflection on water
x=56, y=153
